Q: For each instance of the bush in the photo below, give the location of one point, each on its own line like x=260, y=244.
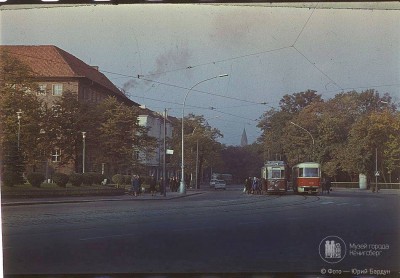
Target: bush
x=146, y=180
x=98, y=178
x=118, y=179
x=75, y=179
x=36, y=179
x=127, y=179
x=61, y=179
x=12, y=164
x=11, y=178
x=87, y=178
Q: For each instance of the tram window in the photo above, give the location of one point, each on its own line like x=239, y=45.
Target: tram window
x=276, y=173
x=311, y=172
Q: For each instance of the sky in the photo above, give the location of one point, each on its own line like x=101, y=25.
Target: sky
x=158, y=52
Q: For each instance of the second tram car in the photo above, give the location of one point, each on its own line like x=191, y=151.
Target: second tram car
x=275, y=175
x=306, y=177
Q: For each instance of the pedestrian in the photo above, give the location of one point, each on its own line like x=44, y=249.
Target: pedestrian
x=248, y=185
x=135, y=184
x=326, y=184
x=255, y=186
x=153, y=186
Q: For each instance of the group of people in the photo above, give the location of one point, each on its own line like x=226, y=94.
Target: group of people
x=155, y=185
x=254, y=185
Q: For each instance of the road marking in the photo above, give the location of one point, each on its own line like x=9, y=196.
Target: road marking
x=110, y=236
x=327, y=203
x=247, y=223
x=342, y=204
x=193, y=229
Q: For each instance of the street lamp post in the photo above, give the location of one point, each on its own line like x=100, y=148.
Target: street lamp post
x=19, y=116
x=313, y=141
x=182, y=186
x=83, y=151
x=165, y=154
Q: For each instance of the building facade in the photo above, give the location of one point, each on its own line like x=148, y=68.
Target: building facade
x=57, y=71
x=155, y=123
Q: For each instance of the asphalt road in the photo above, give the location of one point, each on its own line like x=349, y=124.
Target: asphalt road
x=214, y=232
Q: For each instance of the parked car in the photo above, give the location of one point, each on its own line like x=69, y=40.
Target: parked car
x=212, y=182
x=220, y=184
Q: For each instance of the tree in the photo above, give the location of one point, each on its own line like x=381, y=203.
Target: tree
x=296, y=102
x=281, y=137
x=197, y=132
x=64, y=131
x=243, y=162
x=17, y=94
x=120, y=137
x=346, y=130
x=375, y=132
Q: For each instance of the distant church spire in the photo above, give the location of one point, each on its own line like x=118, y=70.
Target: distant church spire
x=243, y=142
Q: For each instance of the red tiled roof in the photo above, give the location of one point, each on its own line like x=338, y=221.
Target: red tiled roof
x=51, y=61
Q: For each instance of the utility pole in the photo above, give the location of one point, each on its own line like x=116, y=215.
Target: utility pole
x=165, y=155
x=376, y=170
x=197, y=161
x=83, y=151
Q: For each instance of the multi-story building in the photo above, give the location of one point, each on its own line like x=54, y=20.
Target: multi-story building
x=155, y=123
x=57, y=71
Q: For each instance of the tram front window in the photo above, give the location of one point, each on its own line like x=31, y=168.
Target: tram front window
x=277, y=173
x=309, y=172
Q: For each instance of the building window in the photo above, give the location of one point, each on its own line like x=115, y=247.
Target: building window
x=42, y=90
x=57, y=89
x=56, y=155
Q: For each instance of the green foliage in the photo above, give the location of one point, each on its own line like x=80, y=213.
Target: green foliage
x=88, y=178
x=75, y=179
x=35, y=179
x=118, y=130
x=242, y=162
x=98, y=178
x=61, y=179
x=16, y=95
x=197, y=133
x=147, y=180
x=62, y=129
x=118, y=179
x=13, y=165
x=127, y=179
x=346, y=130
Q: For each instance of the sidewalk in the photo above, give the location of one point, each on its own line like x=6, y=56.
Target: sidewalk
x=358, y=190
x=142, y=197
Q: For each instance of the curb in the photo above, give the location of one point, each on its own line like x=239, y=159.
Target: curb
x=70, y=201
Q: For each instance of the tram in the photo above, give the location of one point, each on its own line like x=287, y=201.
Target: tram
x=275, y=175
x=306, y=177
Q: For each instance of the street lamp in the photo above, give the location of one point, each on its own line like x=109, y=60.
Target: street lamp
x=83, y=151
x=182, y=187
x=313, y=141
x=19, y=116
